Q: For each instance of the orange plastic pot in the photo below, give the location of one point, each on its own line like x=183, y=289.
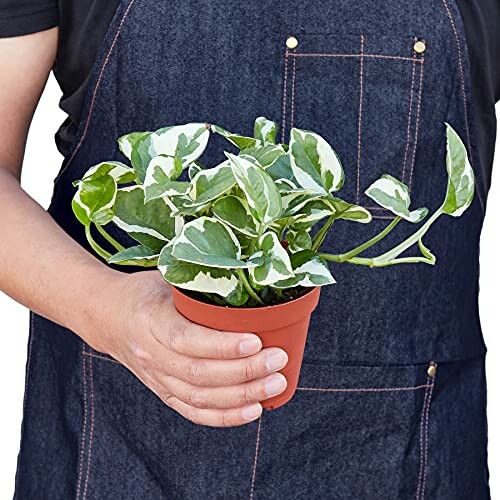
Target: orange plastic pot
x=283, y=326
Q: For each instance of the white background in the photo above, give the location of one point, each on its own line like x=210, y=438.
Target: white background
x=41, y=165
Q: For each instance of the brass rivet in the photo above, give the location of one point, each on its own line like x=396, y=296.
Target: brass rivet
x=292, y=42
x=419, y=47
x=431, y=371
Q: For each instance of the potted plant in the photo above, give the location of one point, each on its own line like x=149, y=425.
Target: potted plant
x=239, y=242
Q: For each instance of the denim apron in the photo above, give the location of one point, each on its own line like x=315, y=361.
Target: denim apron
x=392, y=398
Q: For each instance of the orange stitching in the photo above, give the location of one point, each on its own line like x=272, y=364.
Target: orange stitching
x=417, y=123
x=283, y=112
x=360, y=115
x=371, y=56
x=257, y=443
x=377, y=389
x=98, y=83
x=422, y=421
x=408, y=131
x=384, y=217
x=92, y=419
x=462, y=85
x=294, y=72
x=84, y=429
x=104, y=358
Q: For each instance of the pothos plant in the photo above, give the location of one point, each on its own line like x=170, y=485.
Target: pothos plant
x=249, y=231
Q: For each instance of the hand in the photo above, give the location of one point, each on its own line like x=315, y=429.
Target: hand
x=210, y=377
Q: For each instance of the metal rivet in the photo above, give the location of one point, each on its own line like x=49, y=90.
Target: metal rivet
x=431, y=371
x=419, y=47
x=292, y=42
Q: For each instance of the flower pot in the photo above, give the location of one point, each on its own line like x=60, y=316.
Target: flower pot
x=283, y=325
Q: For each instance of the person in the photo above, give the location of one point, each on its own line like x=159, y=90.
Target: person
x=127, y=399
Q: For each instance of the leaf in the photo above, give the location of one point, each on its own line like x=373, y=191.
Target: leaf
x=426, y=252
x=120, y=172
x=392, y=194
x=135, y=256
x=161, y=178
x=239, y=141
x=273, y=261
x=193, y=169
x=208, y=242
x=348, y=211
x=128, y=143
x=461, y=181
x=195, y=277
x=209, y=184
x=265, y=130
x=95, y=200
x=298, y=240
x=310, y=214
x=235, y=213
x=264, y=156
x=150, y=223
x=310, y=270
x=185, y=142
x=260, y=191
x=239, y=297
x=314, y=163
x=294, y=200
x=281, y=168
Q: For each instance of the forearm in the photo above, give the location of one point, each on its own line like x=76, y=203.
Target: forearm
x=43, y=268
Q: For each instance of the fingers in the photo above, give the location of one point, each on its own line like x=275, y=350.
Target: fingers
x=197, y=341
x=215, y=373
x=215, y=418
x=227, y=397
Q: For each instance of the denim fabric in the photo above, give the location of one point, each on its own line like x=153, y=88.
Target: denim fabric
x=367, y=422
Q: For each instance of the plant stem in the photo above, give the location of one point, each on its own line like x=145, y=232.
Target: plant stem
x=96, y=247
x=356, y=251
x=248, y=287
x=321, y=234
x=109, y=238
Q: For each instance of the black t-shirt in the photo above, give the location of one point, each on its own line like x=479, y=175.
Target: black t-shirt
x=83, y=24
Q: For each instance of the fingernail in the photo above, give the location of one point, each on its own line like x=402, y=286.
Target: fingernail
x=275, y=385
x=251, y=412
x=276, y=360
x=250, y=345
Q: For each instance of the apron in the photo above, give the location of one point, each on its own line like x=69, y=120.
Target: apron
x=392, y=398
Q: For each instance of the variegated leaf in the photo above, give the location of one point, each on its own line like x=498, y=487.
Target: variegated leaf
x=298, y=240
x=120, y=172
x=273, y=261
x=314, y=163
x=95, y=200
x=235, y=213
x=193, y=169
x=195, y=277
x=161, y=178
x=138, y=255
x=209, y=184
x=310, y=270
x=461, y=181
x=260, y=191
x=208, y=242
x=348, y=211
x=281, y=168
x=237, y=140
x=393, y=195
x=151, y=224
x=265, y=130
x=128, y=143
x=264, y=156
x=310, y=214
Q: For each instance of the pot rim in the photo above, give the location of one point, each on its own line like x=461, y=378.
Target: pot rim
x=248, y=309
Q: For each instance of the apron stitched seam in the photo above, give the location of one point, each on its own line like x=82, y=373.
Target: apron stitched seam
x=84, y=426
x=464, y=96
x=285, y=103
x=410, y=114
x=91, y=436
x=360, y=115
x=104, y=358
x=367, y=389
x=256, y=456
x=363, y=56
x=294, y=74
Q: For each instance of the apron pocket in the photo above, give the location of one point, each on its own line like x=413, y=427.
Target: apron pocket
x=363, y=93
x=349, y=433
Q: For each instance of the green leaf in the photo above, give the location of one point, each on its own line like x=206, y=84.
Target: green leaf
x=186, y=142
x=393, y=195
x=461, y=181
x=120, y=172
x=209, y=184
x=310, y=270
x=195, y=277
x=235, y=213
x=273, y=261
x=348, y=211
x=294, y=200
x=138, y=255
x=298, y=240
x=208, y=242
x=310, y=214
x=151, y=224
x=95, y=200
x=161, y=178
x=265, y=130
x=281, y=168
x=260, y=191
x=264, y=156
x=239, y=141
x=314, y=163
x=193, y=169
x=128, y=143
x=239, y=297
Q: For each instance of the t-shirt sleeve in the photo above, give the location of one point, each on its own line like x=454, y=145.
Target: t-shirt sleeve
x=22, y=17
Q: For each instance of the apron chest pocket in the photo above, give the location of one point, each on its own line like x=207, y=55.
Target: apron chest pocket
x=363, y=93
